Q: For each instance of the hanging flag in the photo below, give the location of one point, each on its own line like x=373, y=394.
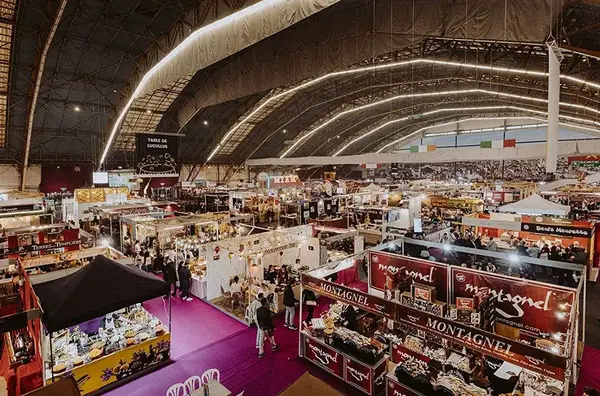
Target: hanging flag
x=422, y=148
x=499, y=143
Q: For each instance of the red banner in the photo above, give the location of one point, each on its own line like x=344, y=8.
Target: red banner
x=422, y=271
x=326, y=357
x=396, y=389
x=531, y=306
x=400, y=354
x=350, y=296
x=359, y=375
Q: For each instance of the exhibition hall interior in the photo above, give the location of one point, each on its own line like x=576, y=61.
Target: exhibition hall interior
x=299, y=197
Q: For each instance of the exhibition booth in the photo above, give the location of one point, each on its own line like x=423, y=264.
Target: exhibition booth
x=264, y=263
x=426, y=328
x=23, y=212
x=101, y=335
x=40, y=240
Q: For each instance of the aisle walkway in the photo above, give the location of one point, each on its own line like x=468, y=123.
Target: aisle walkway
x=235, y=356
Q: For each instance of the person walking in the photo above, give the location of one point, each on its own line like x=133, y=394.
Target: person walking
x=254, y=306
x=267, y=328
x=310, y=299
x=491, y=245
x=185, y=281
x=170, y=275
x=289, y=301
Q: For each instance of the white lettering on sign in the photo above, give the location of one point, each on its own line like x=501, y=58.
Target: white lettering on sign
x=516, y=300
x=157, y=143
x=347, y=295
x=322, y=356
x=414, y=274
x=357, y=375
x=468, y=337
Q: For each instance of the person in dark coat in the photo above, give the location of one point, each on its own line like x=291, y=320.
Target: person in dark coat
x=267, y=328
x=289, y=301
x=350, y=319
x=170, y=276
x=185, y=280
x=310, y=299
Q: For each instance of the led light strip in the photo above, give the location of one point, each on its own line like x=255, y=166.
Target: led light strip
x=511, y=107
x=428, y=94
x=362, y=136
x=391, y=66
x=246, y=12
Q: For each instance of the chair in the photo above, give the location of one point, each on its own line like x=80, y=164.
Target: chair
x=226, y=297
x=176, y=390
x=192, y=384
x=210, y=376
x=248, y=315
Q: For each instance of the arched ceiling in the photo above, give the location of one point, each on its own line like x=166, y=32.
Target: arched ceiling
x=247, y=105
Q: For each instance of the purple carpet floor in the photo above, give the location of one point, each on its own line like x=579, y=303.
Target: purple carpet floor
x=204, y=338
x=590, y=370
x=194, y=324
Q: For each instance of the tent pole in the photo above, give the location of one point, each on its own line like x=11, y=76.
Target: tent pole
x=169, y=310
x=51, y=358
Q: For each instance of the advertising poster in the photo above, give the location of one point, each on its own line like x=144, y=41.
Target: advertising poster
x=396, y=389
x=535, y=307
x=156, y=155
x=422, y=271
x=359, y=375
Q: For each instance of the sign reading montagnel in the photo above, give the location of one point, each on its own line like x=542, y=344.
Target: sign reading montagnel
x=156, y=155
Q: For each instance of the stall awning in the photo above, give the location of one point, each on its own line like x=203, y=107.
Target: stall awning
x=101, y=287
x=536, y=205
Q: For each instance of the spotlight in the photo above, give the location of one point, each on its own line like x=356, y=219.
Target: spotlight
x=447, y=247
x=284, y=131
x=513, y=258
x=205, y=122
x=77, y=108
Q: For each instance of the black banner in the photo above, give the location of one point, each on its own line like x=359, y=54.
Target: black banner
x=556, y=230
x=19, y=208
x=156, y=155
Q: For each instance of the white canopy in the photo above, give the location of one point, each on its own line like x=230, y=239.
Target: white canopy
x=535, y=205
x=372, y=188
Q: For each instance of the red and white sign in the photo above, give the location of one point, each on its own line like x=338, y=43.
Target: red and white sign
x=396, y=389
x=400, y=354
x=465, y=303
x=422, y=271
x=359, y=375
x=326, y=357
x=527, y=305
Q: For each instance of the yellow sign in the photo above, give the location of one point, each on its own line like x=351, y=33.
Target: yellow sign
x=120, y=365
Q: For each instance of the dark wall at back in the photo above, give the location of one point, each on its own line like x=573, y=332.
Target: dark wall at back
x=67, y=176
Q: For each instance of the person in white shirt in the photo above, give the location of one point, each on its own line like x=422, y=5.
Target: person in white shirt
x=171, y=254
x=236, y=286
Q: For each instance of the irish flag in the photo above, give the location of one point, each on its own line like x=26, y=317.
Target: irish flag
x=499, y=143
x=422, y=148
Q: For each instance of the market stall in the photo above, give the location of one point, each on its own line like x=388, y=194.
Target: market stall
x=535, y=205
x=101, y=335
x=427, y=328
x=263, y=262
x=25, y=212
x=40, y=240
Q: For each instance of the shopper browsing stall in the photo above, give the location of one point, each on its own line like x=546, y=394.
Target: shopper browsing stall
x=185, y=279
x=290, y=301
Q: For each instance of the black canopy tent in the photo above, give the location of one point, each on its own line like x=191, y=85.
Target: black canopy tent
x=101, y=287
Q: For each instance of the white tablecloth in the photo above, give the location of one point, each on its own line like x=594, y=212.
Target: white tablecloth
x=198, y=288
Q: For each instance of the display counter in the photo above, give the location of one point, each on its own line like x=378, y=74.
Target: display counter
x=368, y=378
x=92, y=374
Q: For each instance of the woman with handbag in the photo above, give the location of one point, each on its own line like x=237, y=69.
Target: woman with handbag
x=267, y=328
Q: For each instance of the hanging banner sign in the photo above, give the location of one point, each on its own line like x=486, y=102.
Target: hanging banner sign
x=156, y=155
x=17, y=208
x=350, y=296
x=62, y=257
x=324, y=356
x=43, y=246
x=422, y=271
x=584, y=161
x=535, y=307
x=556, y=230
